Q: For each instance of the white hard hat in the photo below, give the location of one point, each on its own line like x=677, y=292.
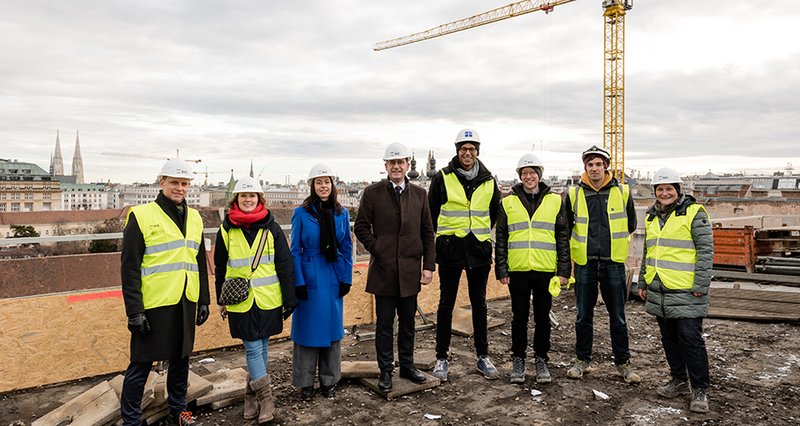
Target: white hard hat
x=247, y=184
x=530, y=160
x=177, y=168
x=396, y=151
x=595, y=150
x=666, y=175
x=320, y=169
x=468, y=135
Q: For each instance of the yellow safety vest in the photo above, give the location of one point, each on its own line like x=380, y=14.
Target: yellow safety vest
x=170, y=259
x=532, y=241
x=617, y=223
x=460, y=216
x=266, y=289
x=670, y=250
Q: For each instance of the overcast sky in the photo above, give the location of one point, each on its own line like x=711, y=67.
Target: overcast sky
x=710, y=85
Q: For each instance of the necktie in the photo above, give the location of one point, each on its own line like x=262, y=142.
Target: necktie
x=398, y=190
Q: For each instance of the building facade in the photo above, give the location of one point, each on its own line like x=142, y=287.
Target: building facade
x=26, y=187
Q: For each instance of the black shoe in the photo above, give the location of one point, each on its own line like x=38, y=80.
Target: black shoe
x=326, y=391
x=412, y=374
x=385, y=382
x=307, y=393
x=184, y=418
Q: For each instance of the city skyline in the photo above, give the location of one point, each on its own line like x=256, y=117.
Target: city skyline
x=710, y=86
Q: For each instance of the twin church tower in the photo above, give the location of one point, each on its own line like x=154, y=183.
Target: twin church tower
x=57, y=163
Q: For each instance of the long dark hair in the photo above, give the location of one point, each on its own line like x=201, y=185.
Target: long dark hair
x=314, y=199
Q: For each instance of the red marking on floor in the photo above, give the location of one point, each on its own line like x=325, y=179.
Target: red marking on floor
x=91, y=296
x=361, y=265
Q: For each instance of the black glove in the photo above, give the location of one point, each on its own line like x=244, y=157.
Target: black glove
x=301, y=292
x=287, y=311
x=343, y=289
x=202, y=314
x=137, y=323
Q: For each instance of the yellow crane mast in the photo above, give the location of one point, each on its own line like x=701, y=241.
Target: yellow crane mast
x=614, y=83
x=614, y=64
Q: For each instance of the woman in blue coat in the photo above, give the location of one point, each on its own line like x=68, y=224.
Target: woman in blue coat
x=323, y=263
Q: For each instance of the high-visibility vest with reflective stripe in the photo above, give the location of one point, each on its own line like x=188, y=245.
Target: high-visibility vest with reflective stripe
x=532, y=241
x=170, y=259
x=266, y=289
x=617, y=223
x=460, y=216
x=670, y=250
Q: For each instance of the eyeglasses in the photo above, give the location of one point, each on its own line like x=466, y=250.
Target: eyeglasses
x=470, y=150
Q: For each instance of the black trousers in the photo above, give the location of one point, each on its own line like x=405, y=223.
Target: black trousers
x=133, y=388
x=685, y=350
x=521, y=286
x=449, y=277
x=385, y=309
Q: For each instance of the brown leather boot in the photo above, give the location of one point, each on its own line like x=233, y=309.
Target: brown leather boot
x=250, y=402
x=263, y=389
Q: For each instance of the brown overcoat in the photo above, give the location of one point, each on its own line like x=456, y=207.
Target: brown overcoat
x=399, y=237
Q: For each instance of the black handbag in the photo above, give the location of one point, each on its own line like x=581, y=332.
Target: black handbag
x=236, y=290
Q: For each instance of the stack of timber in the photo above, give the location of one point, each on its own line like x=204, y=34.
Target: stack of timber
x=99, y=406
x=756, y=305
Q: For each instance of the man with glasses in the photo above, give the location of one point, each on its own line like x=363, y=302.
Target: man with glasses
x=464, y=199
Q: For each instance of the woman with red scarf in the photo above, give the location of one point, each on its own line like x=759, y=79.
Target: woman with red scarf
x=271, y=297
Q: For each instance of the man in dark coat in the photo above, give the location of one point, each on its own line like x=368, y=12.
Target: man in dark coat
x=394, y=224
x=165, y=290
x=464, y=199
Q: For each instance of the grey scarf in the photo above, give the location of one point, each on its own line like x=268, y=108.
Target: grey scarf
x=469, y=174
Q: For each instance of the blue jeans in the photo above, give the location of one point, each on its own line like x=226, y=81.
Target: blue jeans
x=256, y=355
x=611, y=276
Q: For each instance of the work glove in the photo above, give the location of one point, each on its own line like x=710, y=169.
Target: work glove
x=301, y=292
x=137, y=324
x=343, y=289
x=202, y=314
x=287, y=311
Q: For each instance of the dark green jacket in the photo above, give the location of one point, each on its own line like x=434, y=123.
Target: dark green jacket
x=666, y=303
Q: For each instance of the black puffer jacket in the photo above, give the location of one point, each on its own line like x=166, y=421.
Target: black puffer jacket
x=531, y=203
x=465, y=252
x=257, y=323
x=598, y=243
x=666, y=303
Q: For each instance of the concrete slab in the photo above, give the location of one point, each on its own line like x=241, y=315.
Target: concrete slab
x=97, y=406
x=423, y=359
x=227, y=383
x=400, y=386
x=462, y=322
x=360, y=369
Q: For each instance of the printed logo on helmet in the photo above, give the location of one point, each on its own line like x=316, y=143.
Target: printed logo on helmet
x=468, y=134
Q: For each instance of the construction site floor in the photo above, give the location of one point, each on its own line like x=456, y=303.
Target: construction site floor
x=755, y=375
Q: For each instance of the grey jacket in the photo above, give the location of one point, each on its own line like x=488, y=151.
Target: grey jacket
x=666, y=303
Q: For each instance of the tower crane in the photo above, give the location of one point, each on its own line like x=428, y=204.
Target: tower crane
x=613, y=64
x=148, y=156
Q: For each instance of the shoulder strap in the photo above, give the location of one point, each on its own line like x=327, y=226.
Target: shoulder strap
x=261, y=242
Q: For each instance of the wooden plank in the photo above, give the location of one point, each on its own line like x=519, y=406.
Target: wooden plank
x=216, y=405
x=462, y=322
x=757, y=306
x=400, y=386
x=227, y=383
x=790, y=280
x=748, y=315
x=158, y=409
x=148, y=396
x=97, y=406
x=360, y=369
x=763, y=295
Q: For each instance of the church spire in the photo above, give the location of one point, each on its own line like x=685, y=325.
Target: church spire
x=251, y=167
x=58, y=162
x=77, y=161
